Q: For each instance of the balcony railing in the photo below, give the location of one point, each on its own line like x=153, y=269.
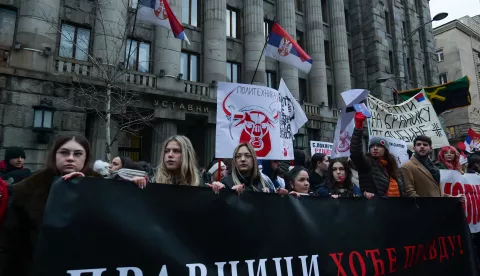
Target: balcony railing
x=197, y=88
x=316, y=110
x=72, y=66
x=139, y=78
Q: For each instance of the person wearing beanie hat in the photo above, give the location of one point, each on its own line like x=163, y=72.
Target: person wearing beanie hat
x=378, y=171
x=213, y=171
x=11, y=167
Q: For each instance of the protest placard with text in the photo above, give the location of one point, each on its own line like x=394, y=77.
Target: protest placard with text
x=321, y=147
x=406, y=121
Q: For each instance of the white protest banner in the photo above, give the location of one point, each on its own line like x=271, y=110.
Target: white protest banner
x=454, y=183
x=321, y=147
x=291, y=120
x=406, y=121
x=249, y=114
x=345, y=123
x=397, y=148
x=342, y=140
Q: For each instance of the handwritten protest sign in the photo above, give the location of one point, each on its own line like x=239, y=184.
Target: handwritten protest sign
x=321, y=147
x=398, y=148
x=406, y=121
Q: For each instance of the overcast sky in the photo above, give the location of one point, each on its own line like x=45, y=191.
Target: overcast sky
x=455, y=9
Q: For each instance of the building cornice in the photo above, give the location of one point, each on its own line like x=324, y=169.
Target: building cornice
x=456, y=24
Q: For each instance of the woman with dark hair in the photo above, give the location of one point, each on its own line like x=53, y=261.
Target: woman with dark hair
x=339, y=181
x=318, y=170
x=298, y=182
x=69, y=157
x=378, y=170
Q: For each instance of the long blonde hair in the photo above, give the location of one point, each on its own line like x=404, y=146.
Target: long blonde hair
x=188, y=168
x=256, y=176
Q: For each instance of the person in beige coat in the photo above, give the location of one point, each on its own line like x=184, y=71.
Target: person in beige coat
x=421, y=177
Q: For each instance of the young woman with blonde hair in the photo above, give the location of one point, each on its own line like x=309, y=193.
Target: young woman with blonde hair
x=245, y=173
x=178, y=163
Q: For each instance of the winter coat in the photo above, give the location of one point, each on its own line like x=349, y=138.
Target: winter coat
x=11, y=174
x=228, y=182
x=419, y=181
x=371, y=174
x=23, y=221
x=316, y=181
x=324, y=191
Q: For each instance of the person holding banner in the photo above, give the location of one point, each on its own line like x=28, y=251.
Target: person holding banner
x=246, y=175
x=449, y=159
x=318, y=170
x=178, y=163
x=298, y=182
x=70, y=157
x=378, y=169
x=339, y=181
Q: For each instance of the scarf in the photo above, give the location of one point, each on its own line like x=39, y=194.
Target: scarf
x=393, y=189
x=428, y=164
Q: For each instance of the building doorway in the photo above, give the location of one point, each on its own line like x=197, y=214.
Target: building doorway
x=194, y=128
x=130, y=145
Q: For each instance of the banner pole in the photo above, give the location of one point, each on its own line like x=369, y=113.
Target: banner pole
x=219, y=171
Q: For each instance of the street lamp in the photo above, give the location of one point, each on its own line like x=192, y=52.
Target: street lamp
x=437, y=17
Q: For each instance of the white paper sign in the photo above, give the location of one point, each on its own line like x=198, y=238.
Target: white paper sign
x=249, y=114
x=291, y=120
x=397, y=148
x=455, y=183
x=406, y=121
x=342, y=140
x=321, y=147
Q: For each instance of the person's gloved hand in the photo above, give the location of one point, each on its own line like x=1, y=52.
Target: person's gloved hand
x=359, y=119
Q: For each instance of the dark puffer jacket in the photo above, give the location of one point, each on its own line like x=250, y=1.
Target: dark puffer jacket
x=371, y=174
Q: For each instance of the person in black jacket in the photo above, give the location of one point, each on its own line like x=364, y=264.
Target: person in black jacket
x=318, y=170
x=245, y=173
x=12, y=167
x=378, y=171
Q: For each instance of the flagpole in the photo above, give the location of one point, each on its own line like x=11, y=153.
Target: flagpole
x=260, y=59
x=264, y=46
x=133, y=34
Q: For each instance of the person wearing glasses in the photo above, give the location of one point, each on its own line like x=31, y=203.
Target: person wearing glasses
x=246, y=175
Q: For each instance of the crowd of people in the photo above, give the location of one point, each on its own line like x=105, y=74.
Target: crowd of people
x=23, y=195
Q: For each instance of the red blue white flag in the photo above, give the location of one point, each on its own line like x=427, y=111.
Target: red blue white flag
x=282, y=47
x=158, y=12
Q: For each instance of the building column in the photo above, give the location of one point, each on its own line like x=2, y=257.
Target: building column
x=338, y=32
x=254, y=40
x=214, y=41
x=315, y=46
x=287, y=19
x=210, y=135
x=161, y=132
x=37, y=29
x=168, y=48
x=109, y=33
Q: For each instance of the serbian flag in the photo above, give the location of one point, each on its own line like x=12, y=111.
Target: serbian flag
x=158, y=12
x=472, y=141
x=282, y=47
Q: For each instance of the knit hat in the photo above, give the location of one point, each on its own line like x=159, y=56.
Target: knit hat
x=378, y=141
x=214, y=167
x=14, y=152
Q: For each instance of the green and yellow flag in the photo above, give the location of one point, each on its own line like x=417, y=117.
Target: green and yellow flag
x=446, y=96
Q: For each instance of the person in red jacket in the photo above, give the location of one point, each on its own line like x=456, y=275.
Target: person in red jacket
x=3, y=199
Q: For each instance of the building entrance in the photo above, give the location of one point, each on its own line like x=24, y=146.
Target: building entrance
x=194, y=128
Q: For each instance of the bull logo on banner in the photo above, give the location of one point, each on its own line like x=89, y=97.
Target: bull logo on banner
x=256, y=122
x=284, y=47
x=160, y=10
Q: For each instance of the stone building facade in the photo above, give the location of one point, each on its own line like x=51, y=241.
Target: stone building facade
x=458, y=54
x=352, y=44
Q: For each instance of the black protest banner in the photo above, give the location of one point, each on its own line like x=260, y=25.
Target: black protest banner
x=106, y=227
x=406, y=121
